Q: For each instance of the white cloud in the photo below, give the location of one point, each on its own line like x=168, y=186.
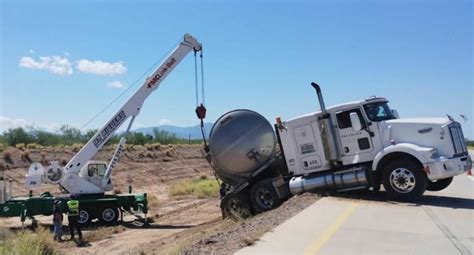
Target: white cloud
x=54, y=64
x=67, y=54
x=7, y=123
x=165, y=122
x=32, y=51
x=116, y=85
x=100, y=67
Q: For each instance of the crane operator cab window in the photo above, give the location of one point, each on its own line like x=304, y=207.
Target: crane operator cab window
x=378, y=111
x=96, y=170
x=95, y=173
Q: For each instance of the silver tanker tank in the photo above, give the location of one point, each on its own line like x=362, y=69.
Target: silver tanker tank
x=240, y=142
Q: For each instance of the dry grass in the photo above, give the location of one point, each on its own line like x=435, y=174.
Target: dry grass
x=76, y=147
x=20, y=146
x=25, y=155
x=63, y=161
x=201, y=188
x=7, y=155
x=43, y=157
x=33, y=146
x=153, y=146
x=149, y=154
x=2, y=147
x=171, y=152
x=153, y=201
x=27, y=242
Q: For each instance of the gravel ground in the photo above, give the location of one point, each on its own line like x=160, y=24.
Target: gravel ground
x=232, y=237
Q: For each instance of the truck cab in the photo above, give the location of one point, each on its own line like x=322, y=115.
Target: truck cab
x=406, y=155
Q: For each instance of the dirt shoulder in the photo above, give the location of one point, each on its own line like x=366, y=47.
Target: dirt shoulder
x=227, y=236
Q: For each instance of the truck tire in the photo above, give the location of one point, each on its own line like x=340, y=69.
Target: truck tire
x=236, y=206
x=84, y=217
x=439, y=184
x=263, y=196
x=404, y=179
x=109, y=215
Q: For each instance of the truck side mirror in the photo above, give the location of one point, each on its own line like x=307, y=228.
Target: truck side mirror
x=395, y=114
x=355, y=121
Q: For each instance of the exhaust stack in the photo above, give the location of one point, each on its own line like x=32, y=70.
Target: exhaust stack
x=327, y=130
x=320, y=98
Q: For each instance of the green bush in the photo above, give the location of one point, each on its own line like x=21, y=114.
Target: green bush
x=35, y=139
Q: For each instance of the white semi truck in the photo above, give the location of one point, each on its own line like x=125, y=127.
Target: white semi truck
x=356, y=145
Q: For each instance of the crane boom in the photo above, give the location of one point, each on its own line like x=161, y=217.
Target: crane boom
x=75, y=184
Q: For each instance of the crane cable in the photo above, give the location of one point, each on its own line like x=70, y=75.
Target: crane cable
x=200, y=108
x=201, y=111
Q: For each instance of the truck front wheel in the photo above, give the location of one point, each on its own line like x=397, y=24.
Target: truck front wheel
x=404, y=179
x=439, y=184
x=264, y=196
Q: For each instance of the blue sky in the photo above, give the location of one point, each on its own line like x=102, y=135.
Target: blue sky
x=261, y=56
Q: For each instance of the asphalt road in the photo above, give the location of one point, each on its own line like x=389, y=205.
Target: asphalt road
x=440, y=223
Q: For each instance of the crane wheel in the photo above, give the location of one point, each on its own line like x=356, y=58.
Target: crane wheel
x=109, y=215
x=84, y=217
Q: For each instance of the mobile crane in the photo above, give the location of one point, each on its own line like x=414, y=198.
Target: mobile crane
x=89, y=180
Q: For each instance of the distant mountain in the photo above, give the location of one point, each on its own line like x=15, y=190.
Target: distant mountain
x=181, y=132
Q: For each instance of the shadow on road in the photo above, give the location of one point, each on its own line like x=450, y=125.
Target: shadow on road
x=427, y=199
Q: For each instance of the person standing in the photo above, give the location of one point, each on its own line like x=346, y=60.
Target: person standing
x=73, y=216
x=57, y=220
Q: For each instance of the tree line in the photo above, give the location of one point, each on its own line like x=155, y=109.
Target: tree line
x=69, y=135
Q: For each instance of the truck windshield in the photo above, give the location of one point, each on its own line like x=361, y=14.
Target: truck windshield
x=378, y=111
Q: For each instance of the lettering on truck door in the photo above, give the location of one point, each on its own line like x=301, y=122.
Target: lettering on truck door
x=353, y=142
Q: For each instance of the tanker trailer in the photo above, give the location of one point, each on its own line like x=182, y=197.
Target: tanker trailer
x=246, y=156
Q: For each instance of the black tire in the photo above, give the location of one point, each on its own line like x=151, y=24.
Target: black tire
x=236, y=206
x=439, y=184
x=85, y=217
x=109, y=215
x=263, y=196
x=404, y=180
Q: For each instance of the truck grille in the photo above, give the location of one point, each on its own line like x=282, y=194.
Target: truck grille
x=460, y=147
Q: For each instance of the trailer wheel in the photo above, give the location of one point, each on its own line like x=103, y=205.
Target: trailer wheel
x=404, y=179
x=235, y=206
x=439, y=184
x=263, y=196
x=109, y=215
x=84, y=217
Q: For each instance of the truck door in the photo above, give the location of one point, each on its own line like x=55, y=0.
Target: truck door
x=352, y=142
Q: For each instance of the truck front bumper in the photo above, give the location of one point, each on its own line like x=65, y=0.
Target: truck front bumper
x=447, y=167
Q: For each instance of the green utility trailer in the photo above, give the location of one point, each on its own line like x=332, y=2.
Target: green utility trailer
x=108, y=209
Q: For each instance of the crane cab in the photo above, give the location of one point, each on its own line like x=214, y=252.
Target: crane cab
x=94, y=172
